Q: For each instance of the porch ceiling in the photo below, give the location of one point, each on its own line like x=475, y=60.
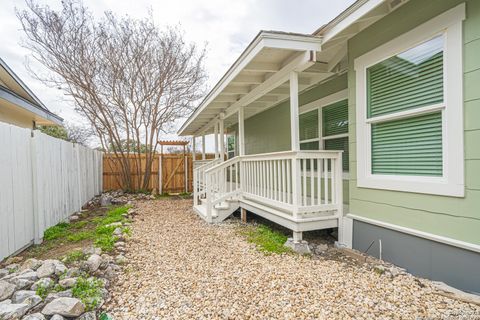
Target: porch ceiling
x=259, y=78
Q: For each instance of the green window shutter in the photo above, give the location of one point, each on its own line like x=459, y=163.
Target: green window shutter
x=339, y=144
x=335, y=118
x=411, y=79
x=308, y=124
x=411, y=146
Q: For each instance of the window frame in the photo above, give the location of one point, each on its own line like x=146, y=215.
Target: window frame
x=451, y=183
x=234, y=150
x=319, y=105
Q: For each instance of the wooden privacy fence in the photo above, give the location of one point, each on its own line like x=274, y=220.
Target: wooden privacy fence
x=43, y=180
x=168, y=168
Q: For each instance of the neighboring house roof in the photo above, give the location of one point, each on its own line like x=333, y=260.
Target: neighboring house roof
x=263, y=66
x=17, y=94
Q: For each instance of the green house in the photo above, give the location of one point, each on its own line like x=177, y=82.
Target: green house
x=371, y=125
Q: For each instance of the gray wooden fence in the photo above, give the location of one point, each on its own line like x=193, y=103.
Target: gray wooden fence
x=43, y=181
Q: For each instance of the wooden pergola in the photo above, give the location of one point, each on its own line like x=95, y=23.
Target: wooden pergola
x=179, y=143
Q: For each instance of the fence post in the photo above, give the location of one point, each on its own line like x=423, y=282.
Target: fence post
x=37, y=239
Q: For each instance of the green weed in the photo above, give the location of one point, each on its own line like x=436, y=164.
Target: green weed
x=55, y=232
x=88, y=291
x=267, y=240
x=74, y=256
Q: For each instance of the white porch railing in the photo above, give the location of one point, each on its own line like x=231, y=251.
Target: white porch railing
x=199, y=178
x=303, y=184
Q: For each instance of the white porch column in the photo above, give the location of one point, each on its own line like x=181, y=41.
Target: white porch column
x=222, y=137
x=241, y=131
x=194, y=151
x=215, y=133
x=294, y=136
x=294, y=111
x=203, y=147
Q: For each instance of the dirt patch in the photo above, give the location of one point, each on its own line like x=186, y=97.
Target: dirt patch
x=57, y=248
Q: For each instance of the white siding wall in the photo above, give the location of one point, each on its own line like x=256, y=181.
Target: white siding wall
x=43, y=180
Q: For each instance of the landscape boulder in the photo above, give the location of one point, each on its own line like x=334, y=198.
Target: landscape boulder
x=93, y=262
x=51, y=267
x=6, y=290
x=32, y=264
x=68, y=282
x=67, y=307
x=44, y=282
x=10, y=311
x=21, y=295
x=34, y=316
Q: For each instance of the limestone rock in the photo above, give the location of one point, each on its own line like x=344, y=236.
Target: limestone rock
x=44, y=282
x=32, y=301
x=73, y=272
x=120, y=259
x=50, y=268
x=34, y=316
x=3, y=272
x=117, y=231
x=67, y=307
x=6, y=290
x=12, y=310
x=32, y=264
x=21, y=295
x=21, y=284
x=27, y=274
x=93, y=262
x=55, y=295
x=105, y=200
x=68, y=282
x=88, y=316
x=57, y=317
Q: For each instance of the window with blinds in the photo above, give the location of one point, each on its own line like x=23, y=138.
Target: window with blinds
x=335, y=123
x=334, y=133
x=335, y=118
x=308, y=125
x=410, y=145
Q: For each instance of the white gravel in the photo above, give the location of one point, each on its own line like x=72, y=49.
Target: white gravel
x=178, y=267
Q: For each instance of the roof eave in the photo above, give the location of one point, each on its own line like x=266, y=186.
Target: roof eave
x=264, y=39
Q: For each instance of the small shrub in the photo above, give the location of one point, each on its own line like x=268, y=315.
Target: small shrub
x=74, y=256
x=43, y=291
x=105, y=242
x=55, y=232
x=104, y=230
x=88, y=291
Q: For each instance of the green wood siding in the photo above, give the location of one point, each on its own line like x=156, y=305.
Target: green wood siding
x=411, y=146
x=453, y=217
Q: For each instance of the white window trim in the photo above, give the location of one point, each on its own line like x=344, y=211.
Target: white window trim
x=452, y=182
x=318, y=105
x=234, y=134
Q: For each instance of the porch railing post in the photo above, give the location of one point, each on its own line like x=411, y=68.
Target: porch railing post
x=339, y=184
x=208, y=194
x=203, y=147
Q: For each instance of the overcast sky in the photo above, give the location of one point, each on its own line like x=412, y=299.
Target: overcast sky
x=226, y=27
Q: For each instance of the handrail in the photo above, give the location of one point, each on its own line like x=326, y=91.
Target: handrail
x=223, y=164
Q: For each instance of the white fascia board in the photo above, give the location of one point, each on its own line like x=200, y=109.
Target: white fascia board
x=351, y=18
x=263, y=40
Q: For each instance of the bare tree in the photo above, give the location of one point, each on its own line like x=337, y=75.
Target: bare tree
x=127, y=77
x=78, y=133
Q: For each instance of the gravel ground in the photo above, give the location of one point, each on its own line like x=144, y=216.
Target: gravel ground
x=181, y=268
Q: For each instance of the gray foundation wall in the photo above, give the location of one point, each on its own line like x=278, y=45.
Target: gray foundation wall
x=425, y=258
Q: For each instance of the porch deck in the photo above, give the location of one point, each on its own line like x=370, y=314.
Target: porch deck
x=299, y=190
